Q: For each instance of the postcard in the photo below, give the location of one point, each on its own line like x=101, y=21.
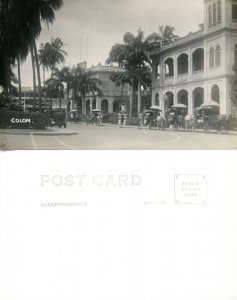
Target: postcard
x=150, y=80
x=130, y=75
x=118, y=225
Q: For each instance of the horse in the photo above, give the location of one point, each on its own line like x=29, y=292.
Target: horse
x=190, y=122
x=161, y=122
x=222, y=124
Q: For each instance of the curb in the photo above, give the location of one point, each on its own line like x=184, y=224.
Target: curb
x=42, y=133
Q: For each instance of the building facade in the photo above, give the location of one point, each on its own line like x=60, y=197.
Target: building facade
x=198, y=67
x=112, y=96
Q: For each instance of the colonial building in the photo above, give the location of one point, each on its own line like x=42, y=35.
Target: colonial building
x=112, y=95
x=198, y=67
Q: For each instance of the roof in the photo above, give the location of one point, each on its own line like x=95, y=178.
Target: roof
x=107, y=69
x=181, y=41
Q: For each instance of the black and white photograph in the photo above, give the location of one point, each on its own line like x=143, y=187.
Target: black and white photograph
x=118, y=131
x=121, y=75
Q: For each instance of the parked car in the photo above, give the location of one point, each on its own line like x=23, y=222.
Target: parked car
x=58, y=117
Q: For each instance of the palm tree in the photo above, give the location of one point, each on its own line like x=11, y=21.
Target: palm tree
x=165, y=35
x=50, y=55
x=84, y=83
x=134, y=57
x=56, y=53
x=67, y=78
x=55, y=86
x=20, y=26
x=44, y=56
x=130, y=77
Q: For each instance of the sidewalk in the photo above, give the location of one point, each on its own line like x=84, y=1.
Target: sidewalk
x=49, y=131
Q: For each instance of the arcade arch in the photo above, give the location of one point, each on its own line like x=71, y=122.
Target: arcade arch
x=88, y=108
x=157, y=99
x=104, y=106
x=169, y=67
x=183, y=97
x=198, y=97
x=215, y=93
x=169, y=99
x=183, y=64
x=198, y=60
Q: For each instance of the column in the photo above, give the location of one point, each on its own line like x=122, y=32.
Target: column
x=190, y=63
x=110, y=105
x=175, y=96
x=190, y=101
x=175, y=69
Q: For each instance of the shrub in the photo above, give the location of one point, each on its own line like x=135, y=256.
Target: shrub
x=26, y=120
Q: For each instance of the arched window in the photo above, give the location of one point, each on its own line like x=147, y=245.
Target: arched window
x=209, y=16
x=234, y=11
x=235, y=54
x=211, y=57
x=214, y=13
x=169, y=67
x=88, y=107
x=219, y=11
x=157, y=99
x=94, y=103
x=218, y=56
x=104, y=106
x=215, y=93
x=198, y=59
x=183, y=64
x=157, y=71
x=183, y=97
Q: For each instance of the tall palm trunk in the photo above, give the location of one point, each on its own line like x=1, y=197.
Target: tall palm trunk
x=131, y=96
x=83, y=105
x=7, y=83
x=139, y=96
x=67, y=100
x=60, y=97
x=33, y=72
x=38, y=75
x=19, y=76
x=44, y=90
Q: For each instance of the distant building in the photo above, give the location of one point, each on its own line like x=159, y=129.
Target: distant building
x=27, y=98
x=112, y=96
x=198, y=67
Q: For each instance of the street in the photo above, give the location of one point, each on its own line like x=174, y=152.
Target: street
x=115, y=138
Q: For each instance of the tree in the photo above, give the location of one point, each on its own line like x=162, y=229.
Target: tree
x=165, y=35
x=20, y=26
x=50, y=55
x=134, y=57
x=44, y=58
x=55, y=86
x=83, y=83
x=130, y=77
x=67, y=78
x=233, y=93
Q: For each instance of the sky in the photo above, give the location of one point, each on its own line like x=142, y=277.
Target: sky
x=89, y=28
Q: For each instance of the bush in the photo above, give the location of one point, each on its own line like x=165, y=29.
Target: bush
x=26, y=120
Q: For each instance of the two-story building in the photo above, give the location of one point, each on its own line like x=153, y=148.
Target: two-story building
x=111, y=95
x=198, y=67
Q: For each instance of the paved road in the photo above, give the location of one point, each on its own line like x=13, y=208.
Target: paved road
x=105, y=137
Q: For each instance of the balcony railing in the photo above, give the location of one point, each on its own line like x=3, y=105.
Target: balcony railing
x=182, y=78
x=198, y=75
x=169, y=80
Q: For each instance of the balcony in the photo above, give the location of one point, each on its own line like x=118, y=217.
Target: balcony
x=182, y=78
x=169, y=80
x=198, y=75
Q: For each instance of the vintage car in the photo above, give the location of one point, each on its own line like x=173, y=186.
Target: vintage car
x=58, y=117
